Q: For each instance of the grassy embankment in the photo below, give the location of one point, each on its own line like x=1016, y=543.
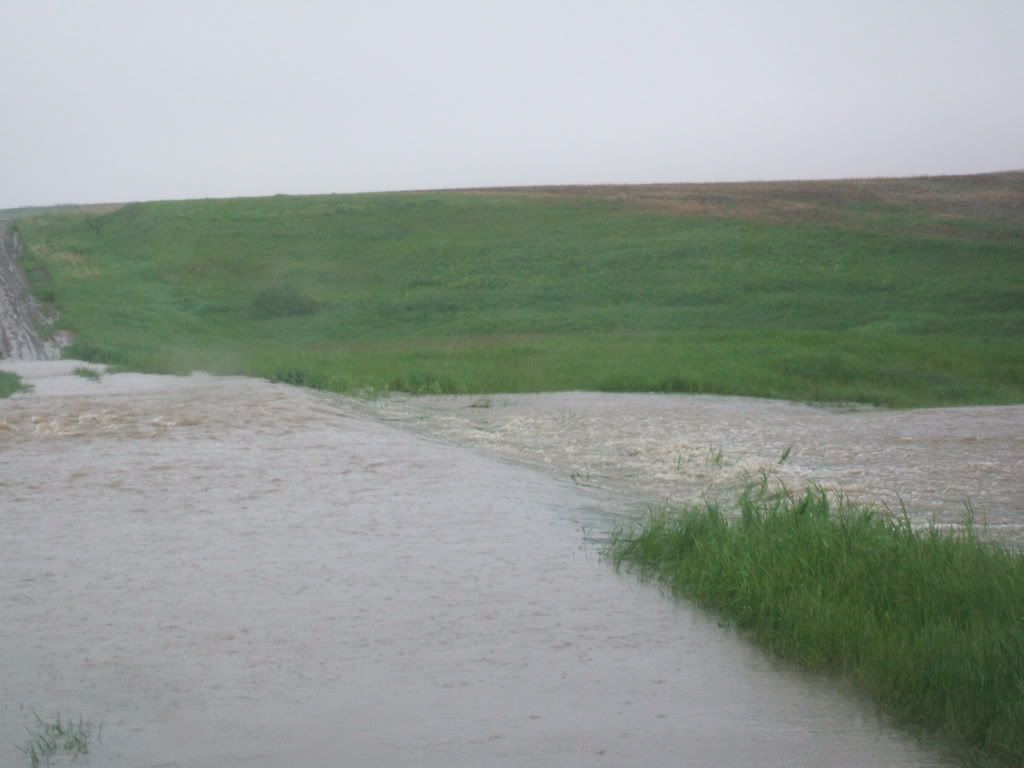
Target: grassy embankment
x=900, y=293
x=930, y=624
x=9, y=384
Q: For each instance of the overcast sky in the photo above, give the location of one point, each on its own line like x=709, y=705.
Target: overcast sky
x=113, y=101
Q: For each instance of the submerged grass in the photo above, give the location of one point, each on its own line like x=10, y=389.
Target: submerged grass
x=929, y=623
x=85, y=372
x=467, y=292
x=48, y=739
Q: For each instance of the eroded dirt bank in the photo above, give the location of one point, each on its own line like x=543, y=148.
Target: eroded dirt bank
x=21, y=316
x=673, y=449
x=229, y=572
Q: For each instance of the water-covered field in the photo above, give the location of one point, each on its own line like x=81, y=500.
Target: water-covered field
x=937, y=464
x=228, y=572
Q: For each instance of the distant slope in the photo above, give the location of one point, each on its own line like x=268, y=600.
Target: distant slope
x=898, y=292
x=982, y=205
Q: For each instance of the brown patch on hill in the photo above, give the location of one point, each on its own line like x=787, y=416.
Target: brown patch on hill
x=101, y=208
x=987, y=205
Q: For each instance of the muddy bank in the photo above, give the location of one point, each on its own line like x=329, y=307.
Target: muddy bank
x=21, y=316
x=671, y=449
x=229, y=572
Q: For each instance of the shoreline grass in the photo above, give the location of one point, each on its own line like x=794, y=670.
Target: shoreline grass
x=10, y=383
x=929, y=624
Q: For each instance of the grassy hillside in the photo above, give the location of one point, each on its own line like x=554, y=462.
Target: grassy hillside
x=891, y=292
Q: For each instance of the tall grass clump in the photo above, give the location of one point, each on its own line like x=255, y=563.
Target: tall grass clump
x=929, y=623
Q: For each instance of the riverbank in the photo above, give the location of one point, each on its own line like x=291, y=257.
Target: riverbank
x=926, y=622
x=25, y=322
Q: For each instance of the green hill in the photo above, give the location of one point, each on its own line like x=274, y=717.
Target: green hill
x=897, y=292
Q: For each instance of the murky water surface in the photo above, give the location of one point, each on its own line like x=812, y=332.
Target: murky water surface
x=228, y=572
x=676, y=449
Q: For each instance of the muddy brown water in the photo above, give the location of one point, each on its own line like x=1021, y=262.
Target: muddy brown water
x=934, y=463
x=229, y=572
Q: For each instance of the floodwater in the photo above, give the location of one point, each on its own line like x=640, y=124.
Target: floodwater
x=229, y=572
x=679, y=449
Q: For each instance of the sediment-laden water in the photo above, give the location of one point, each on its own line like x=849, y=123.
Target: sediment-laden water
x=228, y=572
x=936, y=464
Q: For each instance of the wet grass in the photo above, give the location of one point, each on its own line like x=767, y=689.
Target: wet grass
x=49, y=739
x=929, y=623
x=86, y=372
x=891, y=303
x=10, y=383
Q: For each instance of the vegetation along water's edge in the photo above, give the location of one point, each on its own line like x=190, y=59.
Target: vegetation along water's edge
x=928, y=623
x=901, y=293
x=9, y=384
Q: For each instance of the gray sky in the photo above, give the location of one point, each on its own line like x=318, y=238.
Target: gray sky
x=112, y=101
